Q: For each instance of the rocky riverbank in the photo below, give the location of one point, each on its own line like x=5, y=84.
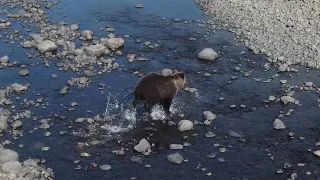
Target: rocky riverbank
x=286, y=31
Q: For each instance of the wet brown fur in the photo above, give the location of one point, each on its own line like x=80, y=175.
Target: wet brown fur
x=155, y=88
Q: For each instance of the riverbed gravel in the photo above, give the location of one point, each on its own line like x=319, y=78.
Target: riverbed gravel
x=286, y=31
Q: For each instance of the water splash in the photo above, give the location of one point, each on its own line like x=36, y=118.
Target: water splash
x=157, y=112
x=117, y=119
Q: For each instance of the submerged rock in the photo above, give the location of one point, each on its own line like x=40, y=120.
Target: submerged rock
x=176, y=146
x=23, y=72
x=208, y=54
x=175, y=158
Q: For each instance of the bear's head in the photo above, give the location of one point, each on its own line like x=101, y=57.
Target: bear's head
x=180, y=80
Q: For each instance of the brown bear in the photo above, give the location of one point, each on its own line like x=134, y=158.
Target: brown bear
x=156, y=88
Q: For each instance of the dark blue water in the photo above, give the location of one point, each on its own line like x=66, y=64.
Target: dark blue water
x=243, y=160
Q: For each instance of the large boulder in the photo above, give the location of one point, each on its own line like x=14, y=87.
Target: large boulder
x=8, y=155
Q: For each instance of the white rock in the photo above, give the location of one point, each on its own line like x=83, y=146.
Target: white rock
x=27, y=44
x=95, y=50
x=87, y=34
x=11, y=167
x=191, y=90
x=283, y=67
x=113, y=43
x=15, y=87
x=175, y=158
x=272, y=98
x=176, y=146
x=288, y=99
x=309, y=84
x=209, y=115
x=143, y=147
x=208, y=54
x=74, y=27
x=166, y=72
x=131, y=57
x=278, y=124
x=185, y=125
x=8, y=155
x=4, y=59
x=47, y=46
x=16, y=124
x=3, y=123
x=105, y=167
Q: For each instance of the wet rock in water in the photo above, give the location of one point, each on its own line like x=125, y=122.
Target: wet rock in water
x=185, y=125
x=87, y=34
x=175, y=158
x=64, y=90
x=16, y=124
x=190, y=90
x=47, y=46
x=136, y=159
x=4, y=59
x=74, y=27
x=210, y=134
x=317, y=153
x=3, y=123
x=113, y=43
x=166, y=72
x=95, y=50
x=272, y=98
x=139, y=6
x=209, y=115
x=105, y=167
x=23, y=72
x=288, y=100
x=234, y=134
x=11, y=167
x=131, y=57
x=208, y=54
x=308, y=84
x=119, y=152
x=27, y=44
x=176, y=146
x=143, y=147
x=278, y=124
x=8, y=155
x=54, y=76
x=83, y=80
x=15, y=87
x=283, y=67
x=212, y=155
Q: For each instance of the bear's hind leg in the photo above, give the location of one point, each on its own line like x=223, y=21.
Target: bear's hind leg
x=166, y=105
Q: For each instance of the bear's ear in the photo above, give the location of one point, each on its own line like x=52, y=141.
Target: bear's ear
x=181, y=74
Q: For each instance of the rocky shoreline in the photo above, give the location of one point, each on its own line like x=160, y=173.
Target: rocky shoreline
x=286, y=31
